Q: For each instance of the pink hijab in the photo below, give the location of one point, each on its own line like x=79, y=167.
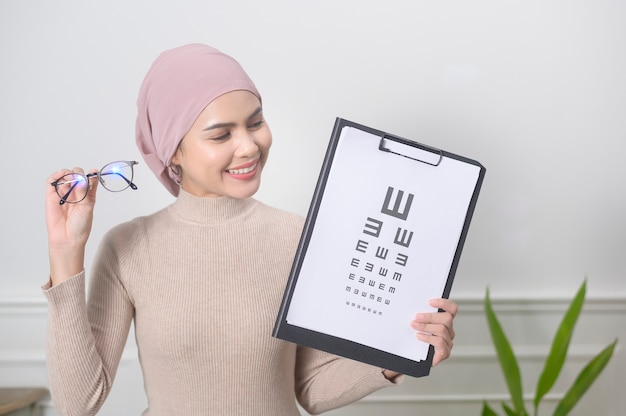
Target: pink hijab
x=178, y=86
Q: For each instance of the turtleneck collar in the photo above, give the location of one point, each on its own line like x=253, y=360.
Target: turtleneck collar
x=209, y=210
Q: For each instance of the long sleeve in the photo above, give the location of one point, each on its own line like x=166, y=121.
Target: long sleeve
x=325, y=381
x=86, y=339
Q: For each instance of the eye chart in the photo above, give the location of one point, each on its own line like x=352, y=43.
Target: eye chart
x=383, y=235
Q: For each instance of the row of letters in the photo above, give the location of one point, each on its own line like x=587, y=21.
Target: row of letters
x=364, y=308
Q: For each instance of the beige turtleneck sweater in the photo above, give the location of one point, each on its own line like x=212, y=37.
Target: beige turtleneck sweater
x=203, y=280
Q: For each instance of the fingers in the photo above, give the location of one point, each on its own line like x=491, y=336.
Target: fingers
x=93, y=186
x=56, y=175
x=437, y=328
x=438, y=323
x=445, y=304
x=443, y=346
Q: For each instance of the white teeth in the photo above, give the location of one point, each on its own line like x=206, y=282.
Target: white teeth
x=242, y=171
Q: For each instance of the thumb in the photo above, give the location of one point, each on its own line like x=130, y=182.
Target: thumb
x=93, y=186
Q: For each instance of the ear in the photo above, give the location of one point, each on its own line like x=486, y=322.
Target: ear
x=177, y=154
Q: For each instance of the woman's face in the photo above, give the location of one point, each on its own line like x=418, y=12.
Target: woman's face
x=225, y=150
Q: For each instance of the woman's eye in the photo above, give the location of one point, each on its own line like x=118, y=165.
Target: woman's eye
x=256, y=125
x=221, y=138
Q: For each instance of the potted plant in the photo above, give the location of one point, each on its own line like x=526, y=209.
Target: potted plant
x=552, y=366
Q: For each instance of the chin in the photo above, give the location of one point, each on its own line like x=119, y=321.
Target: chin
x=245, y=193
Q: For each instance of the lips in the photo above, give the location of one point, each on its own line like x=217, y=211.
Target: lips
x=244, y=169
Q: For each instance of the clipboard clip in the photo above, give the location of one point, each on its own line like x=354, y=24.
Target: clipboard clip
x=409, y=149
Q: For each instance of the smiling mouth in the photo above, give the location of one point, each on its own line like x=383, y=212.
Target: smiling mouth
x=242, y=171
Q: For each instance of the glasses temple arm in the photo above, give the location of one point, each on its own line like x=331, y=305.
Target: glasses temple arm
x=67, y=194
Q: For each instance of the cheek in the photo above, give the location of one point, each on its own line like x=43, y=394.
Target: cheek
x=266, y=141
x=201, y=159
x=207, y=153
x=264, y=148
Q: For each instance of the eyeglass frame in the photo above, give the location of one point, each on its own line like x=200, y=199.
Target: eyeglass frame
x=97, y=174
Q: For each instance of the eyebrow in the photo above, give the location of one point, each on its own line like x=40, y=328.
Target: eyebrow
x=222, y=125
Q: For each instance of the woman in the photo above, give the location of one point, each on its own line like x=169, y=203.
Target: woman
x=203, y=278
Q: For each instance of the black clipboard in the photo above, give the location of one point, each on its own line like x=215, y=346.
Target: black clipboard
x=384, y=233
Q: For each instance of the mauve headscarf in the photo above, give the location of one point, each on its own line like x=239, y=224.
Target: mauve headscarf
x=178, y=86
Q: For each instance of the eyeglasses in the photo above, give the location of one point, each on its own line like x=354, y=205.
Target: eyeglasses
x=115, y=177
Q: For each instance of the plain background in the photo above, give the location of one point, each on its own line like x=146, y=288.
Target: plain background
x=534, y=90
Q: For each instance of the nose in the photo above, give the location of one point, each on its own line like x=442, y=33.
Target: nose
x=247, y=145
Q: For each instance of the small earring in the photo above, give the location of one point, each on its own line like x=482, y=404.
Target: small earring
x=176, y=173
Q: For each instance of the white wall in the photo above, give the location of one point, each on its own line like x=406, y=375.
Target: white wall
x=535, y=90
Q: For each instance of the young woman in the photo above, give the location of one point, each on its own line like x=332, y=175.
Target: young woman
x=201, y=279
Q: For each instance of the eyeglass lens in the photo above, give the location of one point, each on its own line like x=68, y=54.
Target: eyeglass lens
x=117, y=176
x=72, y=187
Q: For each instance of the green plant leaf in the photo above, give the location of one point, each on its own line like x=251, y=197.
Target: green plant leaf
x=509, y=411
x=560, y=344
x=508, y=362
x=585, y=379
x=487, y=411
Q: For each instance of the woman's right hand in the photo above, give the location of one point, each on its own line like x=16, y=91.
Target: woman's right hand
x=69, y=226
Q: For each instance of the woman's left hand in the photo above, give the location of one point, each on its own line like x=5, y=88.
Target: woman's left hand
x=437, y=328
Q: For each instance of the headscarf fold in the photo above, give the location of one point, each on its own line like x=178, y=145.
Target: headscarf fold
x=178, y=86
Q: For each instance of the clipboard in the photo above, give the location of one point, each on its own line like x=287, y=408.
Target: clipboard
x=384, y=233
